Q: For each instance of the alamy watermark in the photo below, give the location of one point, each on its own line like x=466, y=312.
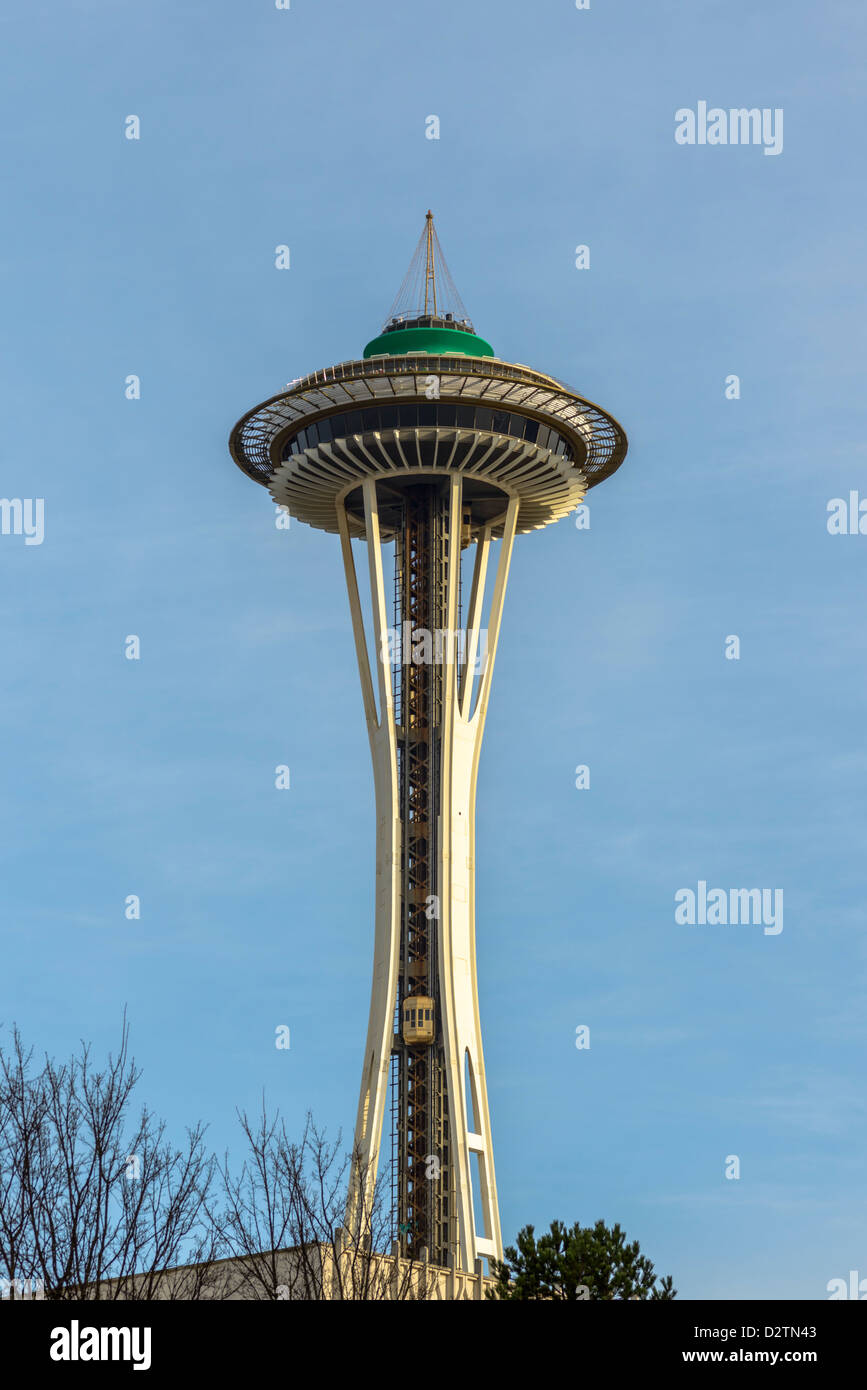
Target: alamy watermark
x=855, y=1288
x=77, y=1343
x=720, y=907
x=741, y=125
x=13, y=1289
x=418, y=646
x=23, y=516
x=847, y=518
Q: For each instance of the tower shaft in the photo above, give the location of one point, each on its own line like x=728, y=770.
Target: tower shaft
x=425, y=740
x=422, y=1199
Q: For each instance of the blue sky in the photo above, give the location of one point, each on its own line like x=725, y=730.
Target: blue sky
x=156, y=777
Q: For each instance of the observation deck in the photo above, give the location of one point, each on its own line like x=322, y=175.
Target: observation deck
x=509, y=431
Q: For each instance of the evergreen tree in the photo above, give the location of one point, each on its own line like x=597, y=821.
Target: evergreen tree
x=579, y=1264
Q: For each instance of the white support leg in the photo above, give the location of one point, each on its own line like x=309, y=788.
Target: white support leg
x=383, y=749
x=478, y=1231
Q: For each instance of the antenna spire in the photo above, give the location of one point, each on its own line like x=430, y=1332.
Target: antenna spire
x=428, y=290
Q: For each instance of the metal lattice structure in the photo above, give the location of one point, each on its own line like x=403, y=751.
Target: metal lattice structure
x=433, y=448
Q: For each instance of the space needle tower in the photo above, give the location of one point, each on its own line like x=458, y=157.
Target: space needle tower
x=435, y=453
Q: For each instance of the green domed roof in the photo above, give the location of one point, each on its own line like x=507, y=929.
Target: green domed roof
x=437, y=340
